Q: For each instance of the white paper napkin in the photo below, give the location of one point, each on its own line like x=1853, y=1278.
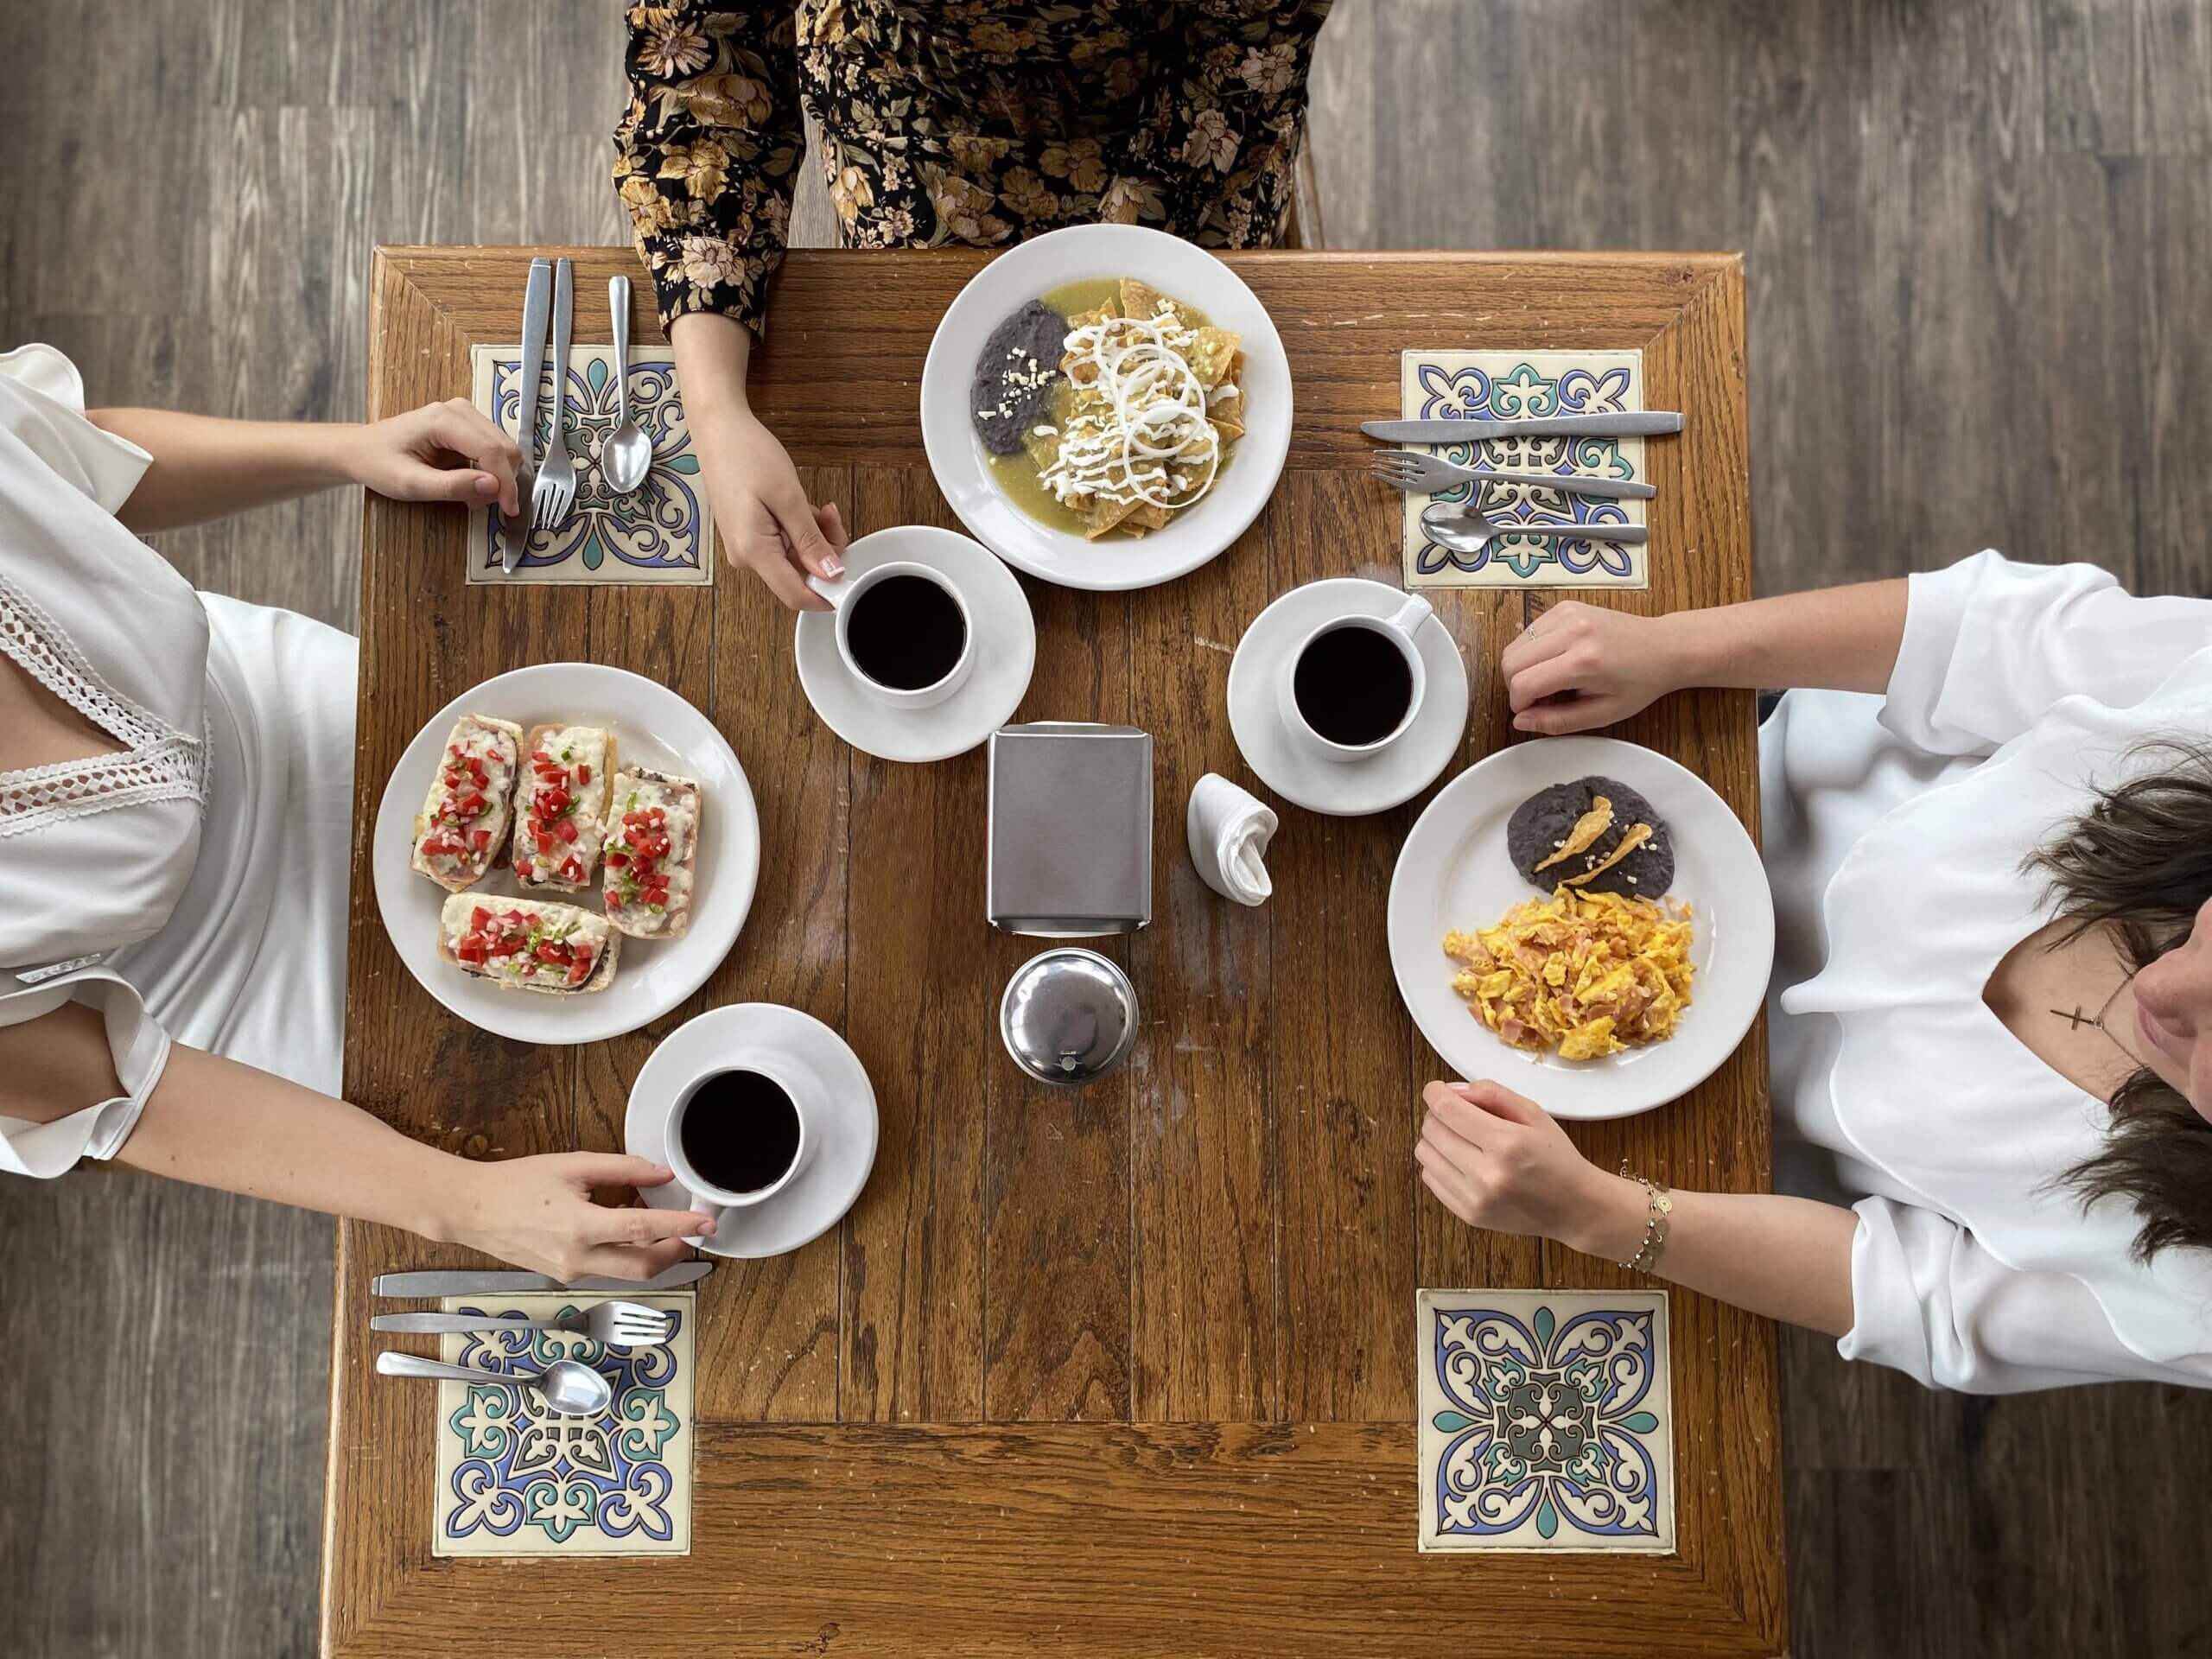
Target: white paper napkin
x=1229, y=829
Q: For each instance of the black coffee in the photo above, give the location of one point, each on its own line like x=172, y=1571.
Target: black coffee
x=1352, y=685
x=906, y=632
x=741, y=1131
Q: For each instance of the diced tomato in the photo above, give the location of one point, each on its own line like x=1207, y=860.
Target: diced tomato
x=508, y=946
x=476, y=770
x=471, y=804
x=553, y=950
x=583, y=773
x=516, y=916
x=581, y=970
x=567, y=831
x=614, y=899
x=572, y=871
x=539, y=754
x=617, y=860
x=471, y=951
x=552, y=803
x=480, y=839
x=479, y=919
x=630, y=818
x=545, y=843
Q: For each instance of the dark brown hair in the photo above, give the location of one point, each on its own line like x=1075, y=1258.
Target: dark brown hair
x=2140, y=862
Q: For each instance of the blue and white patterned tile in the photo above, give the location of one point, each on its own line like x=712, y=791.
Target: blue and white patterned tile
x=512, y=1480
x=662, y=531
x=1504, y=386
x=1547, y=1420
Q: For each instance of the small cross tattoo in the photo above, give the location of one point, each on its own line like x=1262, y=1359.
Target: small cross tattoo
x=2074, y=1020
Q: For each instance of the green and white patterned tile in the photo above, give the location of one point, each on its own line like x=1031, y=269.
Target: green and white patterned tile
x=1503, y=385
x=515, y=1481
x=1547, y=1420
x=664, y=531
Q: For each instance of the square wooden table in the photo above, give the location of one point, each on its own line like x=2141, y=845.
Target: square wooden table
x=1127, y=1370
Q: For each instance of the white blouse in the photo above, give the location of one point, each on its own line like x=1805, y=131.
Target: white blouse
x=1895, y=830
x=193, y=886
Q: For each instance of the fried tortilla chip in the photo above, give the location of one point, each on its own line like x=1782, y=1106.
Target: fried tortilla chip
x=1147, y=516
x=1107, y=514
x=1211, y=354
x=1143, y=300
x=1226, y=428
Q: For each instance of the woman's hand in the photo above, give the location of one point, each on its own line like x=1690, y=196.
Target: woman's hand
x=537, y=1213
x=1577, y=666
x=1496, y=1159
x=768, y=524
x=441, y=452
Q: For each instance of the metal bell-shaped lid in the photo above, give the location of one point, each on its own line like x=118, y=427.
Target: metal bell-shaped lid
x=1069, y=1016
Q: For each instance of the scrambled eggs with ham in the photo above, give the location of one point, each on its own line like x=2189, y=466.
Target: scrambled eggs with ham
x=1589, y=973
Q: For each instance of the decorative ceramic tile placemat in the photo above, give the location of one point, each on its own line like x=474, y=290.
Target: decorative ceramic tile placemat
x=1503, y=385
x=516, y=1480
x=1547, y=1420
x=662, y=531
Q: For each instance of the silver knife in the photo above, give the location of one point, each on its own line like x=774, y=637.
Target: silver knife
x=536, y=308
x=1635, y=423
x=470, y=1282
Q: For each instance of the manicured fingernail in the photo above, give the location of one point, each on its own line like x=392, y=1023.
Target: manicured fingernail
x=833, y=567
x=486, y=485
x=707, y=1224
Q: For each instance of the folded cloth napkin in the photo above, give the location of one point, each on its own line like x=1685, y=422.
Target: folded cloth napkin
x=1229, y=829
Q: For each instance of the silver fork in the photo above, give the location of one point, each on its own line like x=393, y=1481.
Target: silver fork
x=555, y=492
x=1418, y=473
x=613, y=1325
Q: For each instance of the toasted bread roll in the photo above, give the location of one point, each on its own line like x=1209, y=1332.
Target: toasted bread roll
x=462, y=828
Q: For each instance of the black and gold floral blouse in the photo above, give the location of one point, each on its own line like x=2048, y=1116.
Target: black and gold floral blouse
x=972, y=121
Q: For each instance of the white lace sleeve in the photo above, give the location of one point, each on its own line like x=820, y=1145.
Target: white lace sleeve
x=139, y=1047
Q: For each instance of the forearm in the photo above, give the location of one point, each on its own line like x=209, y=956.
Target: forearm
x=1837, y=639
x=215, y=1123
x=713, y=355
x=205, y=468
x=1787, y=1258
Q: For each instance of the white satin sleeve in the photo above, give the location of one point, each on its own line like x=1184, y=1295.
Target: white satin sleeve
x=139, y=1047
x=1929, y=1299
x=1990, y=645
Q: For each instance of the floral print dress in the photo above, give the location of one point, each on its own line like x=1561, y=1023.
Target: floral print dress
x=971, y=121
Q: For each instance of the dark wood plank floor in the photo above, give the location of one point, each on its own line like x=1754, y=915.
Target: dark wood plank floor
x=1979, y=241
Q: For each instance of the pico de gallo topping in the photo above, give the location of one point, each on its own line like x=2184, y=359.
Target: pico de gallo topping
x=648, y=854
x=557, y=831
x=466, y=812
x=522, y=942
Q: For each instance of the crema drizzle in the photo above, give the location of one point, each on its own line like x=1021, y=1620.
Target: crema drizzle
x=1139, y=432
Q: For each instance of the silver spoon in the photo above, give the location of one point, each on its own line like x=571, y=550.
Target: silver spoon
x=570, y=1388
x=1459, y=526
x=627, y=455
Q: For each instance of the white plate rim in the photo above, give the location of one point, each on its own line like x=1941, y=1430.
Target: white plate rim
x=1744, y=918
x=552, y=1021
x=948, y=436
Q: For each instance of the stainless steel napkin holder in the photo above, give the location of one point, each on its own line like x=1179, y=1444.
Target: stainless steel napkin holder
x=1070, y=853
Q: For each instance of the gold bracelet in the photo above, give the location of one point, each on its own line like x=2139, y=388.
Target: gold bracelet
x=1659, y=1206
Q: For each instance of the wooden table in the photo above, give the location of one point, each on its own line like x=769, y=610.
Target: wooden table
x=1128, y=1370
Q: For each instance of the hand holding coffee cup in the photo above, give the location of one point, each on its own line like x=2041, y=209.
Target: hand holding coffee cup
x=1355, y=683
x=904, y=632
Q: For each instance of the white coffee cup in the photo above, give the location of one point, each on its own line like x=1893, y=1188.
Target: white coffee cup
x=1401, y=626
x=845, y=590
x=730, y=1197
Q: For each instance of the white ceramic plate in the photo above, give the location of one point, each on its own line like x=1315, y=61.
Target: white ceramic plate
x=841, y=1124
x=653, y=727
x=1453, y=872
x=1080, y=253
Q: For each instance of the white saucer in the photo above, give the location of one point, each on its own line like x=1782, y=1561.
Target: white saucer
x=1346, y=789
x=1005, y=651
x=842, y=1130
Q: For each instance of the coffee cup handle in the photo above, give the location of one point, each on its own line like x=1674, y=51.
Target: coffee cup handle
x=1406, y=620
x=836, y=592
